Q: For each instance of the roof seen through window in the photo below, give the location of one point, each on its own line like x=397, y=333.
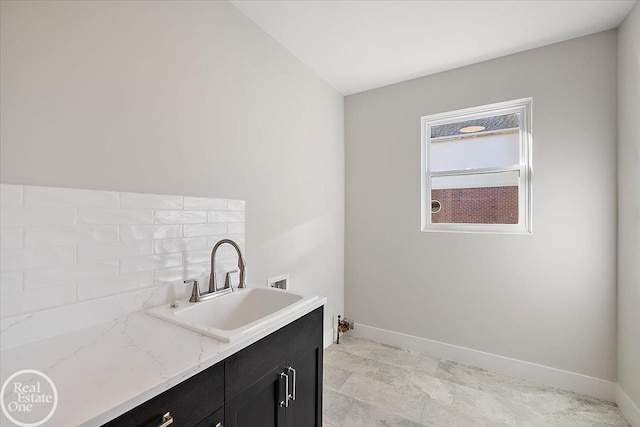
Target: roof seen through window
x=495, y=123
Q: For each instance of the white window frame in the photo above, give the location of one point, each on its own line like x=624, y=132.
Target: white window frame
x=524, y=168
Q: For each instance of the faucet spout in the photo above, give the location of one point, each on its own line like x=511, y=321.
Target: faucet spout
x=241, y=264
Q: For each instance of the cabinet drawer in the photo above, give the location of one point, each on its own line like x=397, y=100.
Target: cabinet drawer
x=214, y=420
x=189, y=402
x=243, y=368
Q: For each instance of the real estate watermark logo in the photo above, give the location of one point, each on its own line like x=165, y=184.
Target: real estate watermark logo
x=29, y=398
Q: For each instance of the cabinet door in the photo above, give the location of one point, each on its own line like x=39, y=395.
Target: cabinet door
x=259, y=403
x=306, y=409
x=252, y=395
x=304, y=355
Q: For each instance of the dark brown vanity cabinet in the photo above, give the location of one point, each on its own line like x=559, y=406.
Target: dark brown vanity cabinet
x=258, y=378
x=277, y=381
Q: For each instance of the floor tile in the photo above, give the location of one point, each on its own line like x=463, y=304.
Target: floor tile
x=384, y=397
x=335, y=407
x=479, y=378
x=351, y=363
x=364, y=415
x=486, y=404
x=372, y=384
x=416, y=381
x=552, y=399
x=439, y=414
x=579, y=420
x=356, y=345
x=334, y=378
x=389, y=355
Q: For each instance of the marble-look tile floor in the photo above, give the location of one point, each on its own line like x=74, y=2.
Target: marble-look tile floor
x=371, y=384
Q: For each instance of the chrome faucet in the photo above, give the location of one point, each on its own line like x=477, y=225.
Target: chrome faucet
x=196, y=296
x=241, y=265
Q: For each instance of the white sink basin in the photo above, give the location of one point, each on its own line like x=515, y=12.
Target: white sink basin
x=237, y=314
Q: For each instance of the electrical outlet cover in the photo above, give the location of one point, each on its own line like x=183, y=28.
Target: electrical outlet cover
x=281, y=282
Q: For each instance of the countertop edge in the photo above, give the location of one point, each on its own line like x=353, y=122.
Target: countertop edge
x=233, y=348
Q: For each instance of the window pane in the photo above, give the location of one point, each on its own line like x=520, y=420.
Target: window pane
x=490, y=198
x=481, y=143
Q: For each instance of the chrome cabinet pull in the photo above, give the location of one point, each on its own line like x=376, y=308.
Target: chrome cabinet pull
x=219, y=425
x=293, y=394
x=167, y=419
x=285, y=402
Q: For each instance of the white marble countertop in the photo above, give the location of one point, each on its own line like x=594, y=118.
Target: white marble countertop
x=103, y=371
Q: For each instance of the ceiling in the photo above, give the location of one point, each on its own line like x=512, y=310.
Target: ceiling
x=360, y=45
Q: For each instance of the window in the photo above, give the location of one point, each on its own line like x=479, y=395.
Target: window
x=476, y=169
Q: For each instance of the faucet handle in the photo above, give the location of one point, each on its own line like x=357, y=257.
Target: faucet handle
x=195, y=292
x=227, y=279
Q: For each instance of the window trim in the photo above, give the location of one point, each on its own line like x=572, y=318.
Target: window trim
x=525, y=168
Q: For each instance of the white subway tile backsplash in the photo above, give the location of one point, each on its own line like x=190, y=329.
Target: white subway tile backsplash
x=195, y=257
x=114, y=250
x=212, y=240
x=227, y=260
x=180, y=217
x=224, y=265
x=13, y=216
x=204, y=204
x=46, y=277
x=70, y=197
x=180, y=245
x=149, y=232
x=148, y=263
x=11, y=238
x=212, y=229
x=226, y=251
x=30, y=301
x=184, y=272
x=10, y=195
x=29, y=258
x=237, y=238
x=72, y=258
x=150, y=201
x=10, y=282
x=225, y=216
x=57, y=236
x=236, y=228
x=223, y=252
x=91, y=289
x=114, y=216
x=235, y=205
x=199, y=271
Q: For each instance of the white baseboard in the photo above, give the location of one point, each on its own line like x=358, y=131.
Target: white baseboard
x=628, y=408
x=328, y=337
x=559, y=378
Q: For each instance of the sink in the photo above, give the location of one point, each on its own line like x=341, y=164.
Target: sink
x=234, y=315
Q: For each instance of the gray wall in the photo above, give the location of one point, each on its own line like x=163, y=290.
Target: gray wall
x=180, y=98
x=548, y=298
x=629, y=205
